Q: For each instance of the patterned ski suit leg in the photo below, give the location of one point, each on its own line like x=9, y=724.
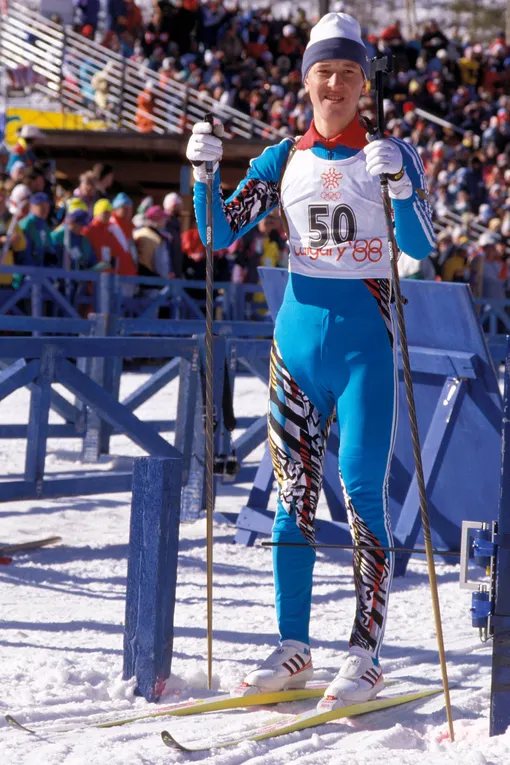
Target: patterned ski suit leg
x=322, y=357
x=297, y=437
x=366, y=412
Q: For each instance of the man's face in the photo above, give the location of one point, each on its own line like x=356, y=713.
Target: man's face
x=18, y=174
x=75, y=227
x=159, y=223
x=125, y=212
x=41, y=210
x=334, y=87
x=174, y=210
x=87, y=188
x=104, y=216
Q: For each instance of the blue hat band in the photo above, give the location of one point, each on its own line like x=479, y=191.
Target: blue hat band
x=335, y=47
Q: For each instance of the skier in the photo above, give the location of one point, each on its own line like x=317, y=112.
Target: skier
x=337, y=302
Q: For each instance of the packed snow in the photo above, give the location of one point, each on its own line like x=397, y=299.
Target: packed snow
x=62, y=634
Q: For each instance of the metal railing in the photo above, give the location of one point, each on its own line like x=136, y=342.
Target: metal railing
x=66, y=291
x=70, y=66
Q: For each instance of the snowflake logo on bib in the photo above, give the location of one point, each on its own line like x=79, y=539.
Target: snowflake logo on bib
x=330, y=181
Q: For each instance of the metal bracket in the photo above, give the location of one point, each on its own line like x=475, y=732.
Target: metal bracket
x=464, y=582
x=227, y=466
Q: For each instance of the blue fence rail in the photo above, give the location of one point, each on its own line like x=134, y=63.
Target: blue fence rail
x=58, y=292
x=55, y=294
x=90, y=367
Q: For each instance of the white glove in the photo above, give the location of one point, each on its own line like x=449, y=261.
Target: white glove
x=384, y=156
x=205, y=146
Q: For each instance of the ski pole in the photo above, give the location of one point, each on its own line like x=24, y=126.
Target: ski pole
x=380, y=67
x=209, y=405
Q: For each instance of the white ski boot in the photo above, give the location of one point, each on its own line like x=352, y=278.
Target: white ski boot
x=359, y=680
x=289, y=666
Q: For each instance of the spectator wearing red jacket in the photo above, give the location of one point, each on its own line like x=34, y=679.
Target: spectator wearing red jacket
x=104, y=243
x=122, y=228
x=145, y=109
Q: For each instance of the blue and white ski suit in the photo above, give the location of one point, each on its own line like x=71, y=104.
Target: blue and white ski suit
x=333, y=349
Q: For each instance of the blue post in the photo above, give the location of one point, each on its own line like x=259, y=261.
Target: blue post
x=189, y=436
x=91, y=448
x=152, y=573
x=105, y=371
x=36, y=301
x=37, y=433
x=500, y=620
x=107, y=300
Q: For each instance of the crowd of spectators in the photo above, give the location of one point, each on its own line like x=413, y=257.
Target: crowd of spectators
x=251, y=62
x=98, y=226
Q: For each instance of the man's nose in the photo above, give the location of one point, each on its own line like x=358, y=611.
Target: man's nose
x=336, y=81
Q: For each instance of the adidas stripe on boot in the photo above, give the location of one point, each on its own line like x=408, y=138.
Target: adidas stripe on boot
x=358, y=680
x=289, y=666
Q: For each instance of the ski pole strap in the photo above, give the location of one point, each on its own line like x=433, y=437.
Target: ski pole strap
x=227, y=400
x=396, y=176
x=227, y=403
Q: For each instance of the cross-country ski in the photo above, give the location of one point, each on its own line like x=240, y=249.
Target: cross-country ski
x=305, y=720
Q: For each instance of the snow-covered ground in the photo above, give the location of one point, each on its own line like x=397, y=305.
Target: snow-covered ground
x=61, y=632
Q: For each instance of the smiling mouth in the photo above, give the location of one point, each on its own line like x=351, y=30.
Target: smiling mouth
x=335, y=99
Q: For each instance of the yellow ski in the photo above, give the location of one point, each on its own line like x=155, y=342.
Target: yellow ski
x=305, y=720
x=194, y=707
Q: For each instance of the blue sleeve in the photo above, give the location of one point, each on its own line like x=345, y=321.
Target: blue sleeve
x=254, y=198
x=413, y=217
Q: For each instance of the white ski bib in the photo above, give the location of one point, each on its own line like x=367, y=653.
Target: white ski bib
x=335, y=217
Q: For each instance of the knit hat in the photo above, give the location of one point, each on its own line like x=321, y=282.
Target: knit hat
x=121, y=200
x=75, y=203
x=39, y=198
x=155, y=213
x=79, y=216
x=101, y=206
x=336, y=35
x=16, y=166
x=171, y=200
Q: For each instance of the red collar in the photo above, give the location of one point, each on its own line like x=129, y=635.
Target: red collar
x=353, y=137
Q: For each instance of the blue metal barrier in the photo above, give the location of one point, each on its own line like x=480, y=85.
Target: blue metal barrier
x=97, y=413
x=39, y=362
x=233, y=300
x=103, y=293
x=459, y=416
